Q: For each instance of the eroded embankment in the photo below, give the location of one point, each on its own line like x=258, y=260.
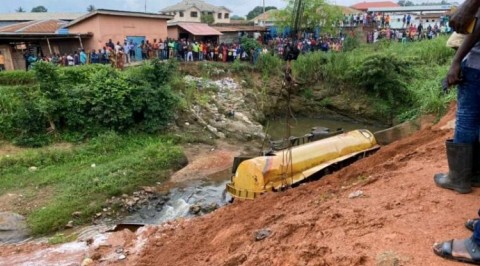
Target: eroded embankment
x=400, y=215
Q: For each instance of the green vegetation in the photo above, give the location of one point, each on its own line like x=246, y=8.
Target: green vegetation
x=116, y=120
x=85, y=101
x=82, y=177
x=401, y=81
x=314, y=13
x=60, y=238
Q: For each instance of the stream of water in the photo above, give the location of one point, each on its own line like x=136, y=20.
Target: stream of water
x=301, y=126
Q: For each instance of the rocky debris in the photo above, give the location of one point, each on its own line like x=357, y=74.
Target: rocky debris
x=236, y=260
x=32, y=169
x=87, y=262
x=76, y=214
x=388, y=258
x=122, y=257
x=200, y=209
x=13, y=227
x=355, y=194
x=69, y=224
x=262, y=234
x=195, y=209
x=226, y=114
x=138, y=200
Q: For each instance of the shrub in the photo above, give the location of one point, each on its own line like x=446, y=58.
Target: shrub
x=17, y=77
x=249, y=44
x=310, y=68
x=269, y=65
x=88, y=99
x=386, y=77
x=351, y=43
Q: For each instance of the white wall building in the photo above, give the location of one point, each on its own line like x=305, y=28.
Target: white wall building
x=192, y=11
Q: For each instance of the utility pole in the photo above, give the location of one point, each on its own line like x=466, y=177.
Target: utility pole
x=263, y=22
x=145, y=6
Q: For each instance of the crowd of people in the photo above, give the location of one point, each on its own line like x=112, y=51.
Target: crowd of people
x=383, y=20
x=412, y=33
x=120, y=53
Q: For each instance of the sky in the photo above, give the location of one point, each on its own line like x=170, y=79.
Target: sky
x=239, y=7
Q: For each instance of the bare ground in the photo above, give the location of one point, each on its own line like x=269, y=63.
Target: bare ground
x=396, y=221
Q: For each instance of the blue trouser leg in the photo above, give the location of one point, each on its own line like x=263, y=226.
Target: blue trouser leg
x=468, y=107
x=476, y=233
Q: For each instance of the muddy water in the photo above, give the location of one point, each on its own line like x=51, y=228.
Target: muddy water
x=301, y=126
x=183, y=200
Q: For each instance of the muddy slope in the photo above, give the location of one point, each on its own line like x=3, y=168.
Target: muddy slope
x=396, y=221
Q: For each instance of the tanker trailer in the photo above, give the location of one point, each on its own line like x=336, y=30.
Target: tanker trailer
x=267, y=173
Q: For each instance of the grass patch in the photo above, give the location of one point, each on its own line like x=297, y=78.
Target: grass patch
x=83, y=177
x=61, y=238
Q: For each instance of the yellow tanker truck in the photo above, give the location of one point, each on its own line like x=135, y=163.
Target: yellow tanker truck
x=267, y=173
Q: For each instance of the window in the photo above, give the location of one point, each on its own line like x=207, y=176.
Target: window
x=180, y=14
x=219, y=16
x=194, y=14
x=226, y=15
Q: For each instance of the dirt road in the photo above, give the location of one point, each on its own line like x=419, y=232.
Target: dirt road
x=395, y=222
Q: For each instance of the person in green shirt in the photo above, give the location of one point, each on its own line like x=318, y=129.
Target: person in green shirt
x=170, y=49
x=195, y=49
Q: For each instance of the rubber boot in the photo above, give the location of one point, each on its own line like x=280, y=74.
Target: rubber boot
x=460, y=158
x=476, y=165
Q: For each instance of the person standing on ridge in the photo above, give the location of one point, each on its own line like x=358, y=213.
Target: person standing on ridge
x=463, y=151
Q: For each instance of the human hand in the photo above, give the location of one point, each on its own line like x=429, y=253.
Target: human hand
x=453, y=75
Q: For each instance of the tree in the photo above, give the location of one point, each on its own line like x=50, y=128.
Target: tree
x=207, y=18
x=20, y=10
x=91, y=8
x=315, y=14
x=235, y=17
x=39, y=9
x=257, y=11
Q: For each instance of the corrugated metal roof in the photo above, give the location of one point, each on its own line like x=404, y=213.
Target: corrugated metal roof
x=268, y=15
x=120, y=13
x=39, y=16
x=239, y=28
x=411, y=8
x=37, y=26
x=199, y=29
x=200, y=4
x=367, y=5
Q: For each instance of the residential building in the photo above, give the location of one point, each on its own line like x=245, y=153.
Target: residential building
x=193, y=10
x=18, y=17
x=364, y=6
x=192, y=31
x=232, y=33
x=39, y=38
x=120, y=26
x=266, y=19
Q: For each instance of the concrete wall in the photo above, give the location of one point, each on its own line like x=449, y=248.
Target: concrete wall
x=117, y=28
x=223, y=19
x=229, y=37
x=187, y=16
x=173, y=32
x=7, y=52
